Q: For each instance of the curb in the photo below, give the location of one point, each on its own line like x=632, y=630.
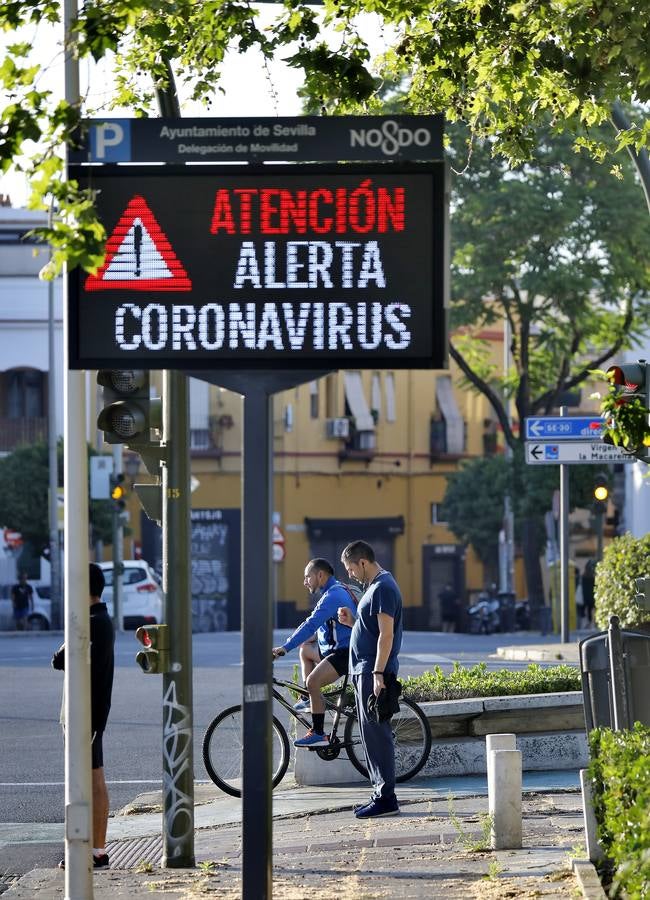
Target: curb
x=588, y=880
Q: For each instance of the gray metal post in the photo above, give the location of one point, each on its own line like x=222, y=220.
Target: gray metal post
x=53, y=463
x=620, y=718
x=78, y=785
x=564, y=548
x=118, y=550
x=257, y=634
x=178, y=760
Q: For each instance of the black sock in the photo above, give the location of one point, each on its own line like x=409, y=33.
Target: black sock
x=319, y=722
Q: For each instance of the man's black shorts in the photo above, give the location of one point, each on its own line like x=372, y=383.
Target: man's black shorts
x=339, y=659
x=97, y=750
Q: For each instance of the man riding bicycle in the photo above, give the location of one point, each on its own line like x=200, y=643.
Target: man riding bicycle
x=331, y=655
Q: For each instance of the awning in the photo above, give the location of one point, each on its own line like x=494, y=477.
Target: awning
x=453, y=420
x=199, y=404
x=356, y=400
x=375, y=393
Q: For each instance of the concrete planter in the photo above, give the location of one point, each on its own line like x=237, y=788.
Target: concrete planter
x=550, y=731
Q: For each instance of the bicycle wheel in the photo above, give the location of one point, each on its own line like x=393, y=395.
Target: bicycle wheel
x=412, y=736
x=222, y=750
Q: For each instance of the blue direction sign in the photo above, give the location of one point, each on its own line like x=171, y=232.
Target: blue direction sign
x=564, y=428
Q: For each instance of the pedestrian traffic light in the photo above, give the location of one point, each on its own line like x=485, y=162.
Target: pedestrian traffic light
x=642, y=596
x=118, y=492
x=155, y=658
x=129, y=412
x=628, y=419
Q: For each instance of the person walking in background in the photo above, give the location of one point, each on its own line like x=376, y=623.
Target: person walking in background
x=588, y=583
x=326, y=660
x=374, y=648
x=102, y=665
x=449, y=608
x=22, y=601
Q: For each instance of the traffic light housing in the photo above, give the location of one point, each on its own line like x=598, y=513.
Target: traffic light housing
x=118, y=492
x=129, y=412
x=642, y=596
x=154, y=659
x=601, y=493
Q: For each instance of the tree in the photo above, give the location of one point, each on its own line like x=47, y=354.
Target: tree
x=473, y=504
x=558, y=248
x=24, y=486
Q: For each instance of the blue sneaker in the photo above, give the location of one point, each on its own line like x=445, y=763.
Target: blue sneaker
x=302, y=705
x=379, y=807
x=311, y=739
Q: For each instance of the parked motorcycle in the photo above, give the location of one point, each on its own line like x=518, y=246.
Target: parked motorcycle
x=483, y=616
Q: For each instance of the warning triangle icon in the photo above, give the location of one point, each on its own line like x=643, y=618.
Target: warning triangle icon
x=138, y=256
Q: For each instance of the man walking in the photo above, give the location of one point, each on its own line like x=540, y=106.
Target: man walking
x=22, y=600
x=329, y=657
x=102, y=664
x=374, y=646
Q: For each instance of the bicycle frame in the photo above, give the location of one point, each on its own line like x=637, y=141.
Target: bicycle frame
x=336, y=707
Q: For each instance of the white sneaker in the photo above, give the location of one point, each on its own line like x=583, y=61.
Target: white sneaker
x=302, y=705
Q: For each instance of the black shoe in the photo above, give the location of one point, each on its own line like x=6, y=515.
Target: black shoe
x=378, y=808
x=99, y=862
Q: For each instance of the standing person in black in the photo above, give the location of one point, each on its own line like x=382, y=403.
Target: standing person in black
x=102, y=664
x=449, y=608
x=22, y=599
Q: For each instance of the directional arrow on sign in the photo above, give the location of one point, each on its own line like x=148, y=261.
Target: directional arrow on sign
x=535, y=428
x=536, y=452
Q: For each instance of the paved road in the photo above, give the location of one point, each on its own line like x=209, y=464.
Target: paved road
x=31, y=750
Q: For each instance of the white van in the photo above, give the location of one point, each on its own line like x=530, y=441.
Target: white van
x=141, y=593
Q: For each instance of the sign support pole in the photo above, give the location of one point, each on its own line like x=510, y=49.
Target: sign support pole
x=78, y=785
x=178, y=760
x=564, y=548
x=118, y=550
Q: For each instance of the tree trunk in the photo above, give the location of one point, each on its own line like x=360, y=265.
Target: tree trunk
x=531, y=549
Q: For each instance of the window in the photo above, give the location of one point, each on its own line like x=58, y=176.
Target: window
x=450, y=416
x=24, y=391
x=199, y=414
x=436, y=514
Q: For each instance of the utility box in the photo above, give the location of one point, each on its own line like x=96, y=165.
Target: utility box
x=597, y=682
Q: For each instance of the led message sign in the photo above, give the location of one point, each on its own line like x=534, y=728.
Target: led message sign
x=297, y=266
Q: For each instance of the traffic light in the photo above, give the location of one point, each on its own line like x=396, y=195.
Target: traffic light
x=118, y=492
x=601, y=493
x=155, y=658
x=628, y=418
x=642, y=596
x=129, y=412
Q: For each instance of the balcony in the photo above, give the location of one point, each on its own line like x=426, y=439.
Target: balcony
x=16, y=432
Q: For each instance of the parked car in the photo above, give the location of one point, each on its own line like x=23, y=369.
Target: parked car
x=141, y=593
x=40, y=619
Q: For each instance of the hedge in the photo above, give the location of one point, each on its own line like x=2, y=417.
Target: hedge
x=620, y=782
x=479, y=681
x=625, y=559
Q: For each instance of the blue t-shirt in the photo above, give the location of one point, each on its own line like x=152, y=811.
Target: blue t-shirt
x=324, y=621
x=383, y=596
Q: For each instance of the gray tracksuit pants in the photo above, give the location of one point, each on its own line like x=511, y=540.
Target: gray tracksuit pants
x=377, y=739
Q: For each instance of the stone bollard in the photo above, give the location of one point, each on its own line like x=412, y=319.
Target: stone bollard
x=504, y=798
x=594, y=850
x=497, y=742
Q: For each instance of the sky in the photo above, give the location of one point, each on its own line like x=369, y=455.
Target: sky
x=246, y=81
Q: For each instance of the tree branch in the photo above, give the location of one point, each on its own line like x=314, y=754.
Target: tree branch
x=484, y=388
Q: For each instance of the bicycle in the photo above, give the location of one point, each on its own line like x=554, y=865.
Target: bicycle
x=222, y=742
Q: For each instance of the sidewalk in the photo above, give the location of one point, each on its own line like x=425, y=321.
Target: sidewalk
x=560, y=653
x=316, y=838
